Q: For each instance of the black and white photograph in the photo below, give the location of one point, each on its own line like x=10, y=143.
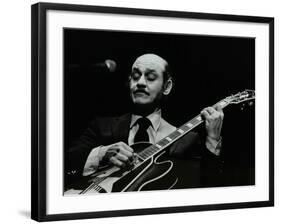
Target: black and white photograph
x=157, y=111
x=140, y=112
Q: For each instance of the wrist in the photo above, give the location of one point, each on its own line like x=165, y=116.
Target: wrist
x=214, y=144
x=214, y=137
x=92, y=162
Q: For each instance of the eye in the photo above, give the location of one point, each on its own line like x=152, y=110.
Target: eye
x=151, y=76
x=135, y=75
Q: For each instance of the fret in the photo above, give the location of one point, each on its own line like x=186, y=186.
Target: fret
x=184, y=128
x=195, y=121
x=169, y=139
x=163, y=142
x=147, y=155
x=176, y=133
x=190, y=125
x=149, y=152
x=140, y=156
x=158, y=146
x=180, y=131
x=144, y=154
x=223, y=103
x=154, y=148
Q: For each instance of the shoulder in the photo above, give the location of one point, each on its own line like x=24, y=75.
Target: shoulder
x=109, y=125
x=187, y=146
x=101, y=121
x=190, y=139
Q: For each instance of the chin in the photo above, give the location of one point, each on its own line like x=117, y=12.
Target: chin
x=141, y=102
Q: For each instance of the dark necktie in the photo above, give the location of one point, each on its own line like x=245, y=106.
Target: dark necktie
x=142, y=135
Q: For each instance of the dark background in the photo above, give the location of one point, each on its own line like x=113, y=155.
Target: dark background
x=205, y=69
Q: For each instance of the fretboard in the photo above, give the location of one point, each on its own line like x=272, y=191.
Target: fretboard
x=177, y=134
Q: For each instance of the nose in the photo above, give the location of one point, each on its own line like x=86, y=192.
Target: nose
x=141, y=81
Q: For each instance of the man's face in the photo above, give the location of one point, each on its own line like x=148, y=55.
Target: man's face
x=146, y=81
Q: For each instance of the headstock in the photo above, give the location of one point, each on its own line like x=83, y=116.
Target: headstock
x=241, y=97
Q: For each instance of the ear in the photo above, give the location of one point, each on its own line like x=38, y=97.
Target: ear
x=168, y=87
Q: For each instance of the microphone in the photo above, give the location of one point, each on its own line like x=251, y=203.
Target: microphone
x=107, y=66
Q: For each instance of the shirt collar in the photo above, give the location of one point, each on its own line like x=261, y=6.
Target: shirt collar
x=154, y=118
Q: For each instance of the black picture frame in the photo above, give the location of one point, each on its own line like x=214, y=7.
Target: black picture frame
x=39, y=109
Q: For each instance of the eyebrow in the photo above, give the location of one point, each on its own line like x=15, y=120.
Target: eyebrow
x=148, y=70
x=135, y=70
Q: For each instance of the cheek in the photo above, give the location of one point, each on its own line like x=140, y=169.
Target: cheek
x=156, y=90
x=131, y=85
x=156, y=87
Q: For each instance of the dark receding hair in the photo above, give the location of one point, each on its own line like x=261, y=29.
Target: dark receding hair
x=167, y=73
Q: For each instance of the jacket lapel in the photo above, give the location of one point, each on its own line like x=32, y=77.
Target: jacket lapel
x=121, y=128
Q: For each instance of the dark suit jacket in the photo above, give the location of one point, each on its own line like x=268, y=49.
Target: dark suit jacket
x=197, y=166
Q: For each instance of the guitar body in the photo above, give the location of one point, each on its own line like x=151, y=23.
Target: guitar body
x=155, y=173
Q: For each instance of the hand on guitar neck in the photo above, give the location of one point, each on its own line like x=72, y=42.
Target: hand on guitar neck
x=213, y=117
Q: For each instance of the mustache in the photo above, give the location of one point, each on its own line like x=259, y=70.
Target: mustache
x=141, y=91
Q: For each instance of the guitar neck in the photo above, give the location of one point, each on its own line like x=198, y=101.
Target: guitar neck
x=177, y=134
